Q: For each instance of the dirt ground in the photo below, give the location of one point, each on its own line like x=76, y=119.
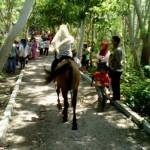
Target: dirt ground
x=7, y=83
x=37, y=123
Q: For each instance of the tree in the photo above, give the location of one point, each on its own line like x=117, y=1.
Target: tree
x=9, y=12
x=144, y=25
x=17, y=28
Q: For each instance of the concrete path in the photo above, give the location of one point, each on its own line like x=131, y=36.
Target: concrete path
x=37, y=124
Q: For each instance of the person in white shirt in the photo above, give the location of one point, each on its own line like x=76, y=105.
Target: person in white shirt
x=62, y=43
x=46, y=46
x=41, y=46
x=23, y=52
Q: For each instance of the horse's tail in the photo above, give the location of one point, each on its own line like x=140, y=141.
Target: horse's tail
x=59, y=70
x=46, y=70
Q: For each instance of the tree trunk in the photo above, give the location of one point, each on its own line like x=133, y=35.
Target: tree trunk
x=16, y=29
x=145, y=53
x=146, y=48
x=132, y=42
x=92, y=41
x=144, y=35
x=82, y=29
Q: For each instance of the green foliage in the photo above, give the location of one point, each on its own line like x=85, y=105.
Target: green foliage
x=147, y=71
x=92, y=69
x=2, y=77
x=136, y=92
x=50, y=13
x=9, y=13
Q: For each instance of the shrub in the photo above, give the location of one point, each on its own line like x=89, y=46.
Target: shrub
x=147, y=71
x=136, y=91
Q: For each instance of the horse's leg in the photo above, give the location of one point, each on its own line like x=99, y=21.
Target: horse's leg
x=58, y=100
x=74, y=102
x=66, y=105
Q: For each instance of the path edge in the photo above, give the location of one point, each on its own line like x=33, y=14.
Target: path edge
x=140, y=121
x=7, y=115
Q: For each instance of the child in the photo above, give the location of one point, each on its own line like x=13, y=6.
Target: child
x=102, y=82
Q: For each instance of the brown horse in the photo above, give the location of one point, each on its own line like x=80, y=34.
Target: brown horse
x=67, y=77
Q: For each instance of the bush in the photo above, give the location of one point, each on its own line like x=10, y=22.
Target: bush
x=136, y=91
x=92, y=69
x=147, y=71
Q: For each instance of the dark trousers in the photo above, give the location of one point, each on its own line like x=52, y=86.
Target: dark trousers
x=115, y=83
x=22, y=62
x=46, y=51
x=41, y=51
x=102, y=95
x=11, y=64
x=56, y=61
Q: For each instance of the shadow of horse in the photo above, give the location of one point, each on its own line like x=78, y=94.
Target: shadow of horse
x=67, y=78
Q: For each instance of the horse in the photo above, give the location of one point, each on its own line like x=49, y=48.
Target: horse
x=67, y=78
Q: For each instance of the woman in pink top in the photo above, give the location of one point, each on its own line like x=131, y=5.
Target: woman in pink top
x=34, y=48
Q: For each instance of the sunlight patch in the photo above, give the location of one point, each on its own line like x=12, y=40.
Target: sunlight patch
x=18, y=139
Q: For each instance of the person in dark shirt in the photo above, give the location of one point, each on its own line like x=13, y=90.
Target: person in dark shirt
x=115, y=64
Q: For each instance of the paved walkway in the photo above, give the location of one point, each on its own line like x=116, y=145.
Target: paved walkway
x=37, y=124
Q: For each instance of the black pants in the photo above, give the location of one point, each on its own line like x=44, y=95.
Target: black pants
x=56, y=61
x=46, y=51
x=41, y=51
x=102, y=66
x=115, y=83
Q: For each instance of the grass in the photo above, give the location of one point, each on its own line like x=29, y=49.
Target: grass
x=2, y=77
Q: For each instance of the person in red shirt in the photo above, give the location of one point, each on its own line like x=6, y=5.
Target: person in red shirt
x=101, y=78
x=102, y=83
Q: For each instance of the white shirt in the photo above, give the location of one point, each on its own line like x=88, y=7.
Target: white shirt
x=104, y=58
x=23, y=52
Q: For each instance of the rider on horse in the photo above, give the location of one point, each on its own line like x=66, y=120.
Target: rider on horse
x=61, y=42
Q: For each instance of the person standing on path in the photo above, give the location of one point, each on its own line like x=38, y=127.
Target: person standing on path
x=46, y=46
x=12, y=59
x=34, y=48
x=23, y=53
x=103, y=55
x=115, y=64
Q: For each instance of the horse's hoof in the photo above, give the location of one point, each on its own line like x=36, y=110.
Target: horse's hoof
x=65, y=119
x=59, y=107
x=100, y=110
x=74, y=127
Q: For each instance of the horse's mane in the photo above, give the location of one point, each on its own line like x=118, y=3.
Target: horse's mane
x=61, y=69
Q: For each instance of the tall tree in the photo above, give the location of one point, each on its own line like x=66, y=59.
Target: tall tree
x=9, y=12
x=16, y=29
x=144, y=25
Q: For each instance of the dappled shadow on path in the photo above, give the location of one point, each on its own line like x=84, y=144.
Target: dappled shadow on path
x=43, y=128
x=37, y=124
x=96, y=131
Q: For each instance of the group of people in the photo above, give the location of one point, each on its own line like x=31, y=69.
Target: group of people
x=109, y=64
x=109, y=67
x=44, y=43
x=25, y=49
x=20, y=53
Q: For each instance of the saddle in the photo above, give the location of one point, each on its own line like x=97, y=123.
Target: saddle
x=63, y=61
x=59, y=65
